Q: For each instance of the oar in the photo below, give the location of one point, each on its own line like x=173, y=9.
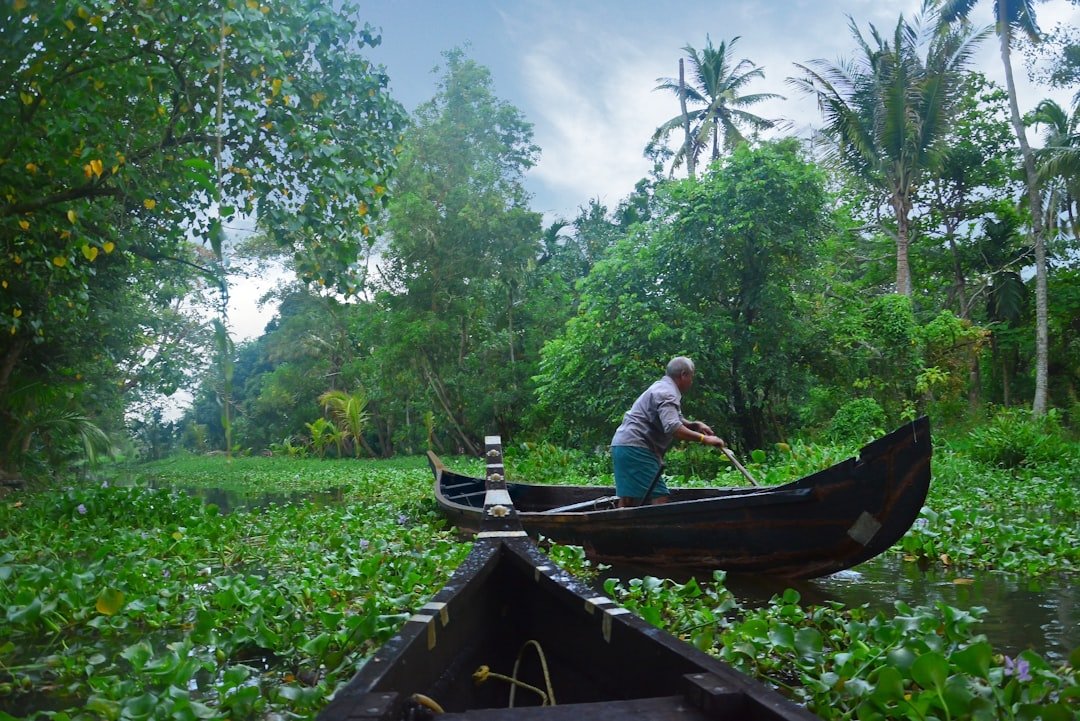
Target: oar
x=746, y=473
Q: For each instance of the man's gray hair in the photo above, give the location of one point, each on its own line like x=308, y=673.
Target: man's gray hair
x=679, y=366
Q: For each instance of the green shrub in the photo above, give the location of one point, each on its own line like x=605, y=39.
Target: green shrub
x=1014, y=438
x=858, y=420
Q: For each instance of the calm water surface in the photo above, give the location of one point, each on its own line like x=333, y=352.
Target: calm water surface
x=1038, y=614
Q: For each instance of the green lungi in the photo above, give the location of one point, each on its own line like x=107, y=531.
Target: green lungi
x=635, y=469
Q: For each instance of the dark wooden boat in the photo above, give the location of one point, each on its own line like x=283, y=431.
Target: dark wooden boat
x=509, y=612
x=826, y=522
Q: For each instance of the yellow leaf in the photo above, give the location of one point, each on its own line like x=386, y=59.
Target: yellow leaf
x=109, y=601
x=59, y=261
x=18, y=260
x=19, y=5
x=275, y=87
x=365, y=231
x=25, y=225
x=177, y=535
x=27, y=98
x=149, y=203
x=379, y=190
x=264, y=10
x=4, y=283
x=252, y=4
x=87, y=170
x=97, y=166
x=65, y=234
x=89, y=252
x=18, y=311
x=317, y=98
x=71, y=216
x=362, y=210
x=227, y=31
x=108, y=246
x=83, y=12
x=31, y=167
x=70, y=25
x=99, y=84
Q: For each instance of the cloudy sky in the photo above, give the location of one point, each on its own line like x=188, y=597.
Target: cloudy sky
x=583, y=72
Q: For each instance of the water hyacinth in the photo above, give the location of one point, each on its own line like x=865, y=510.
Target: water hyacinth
x=1018, y=667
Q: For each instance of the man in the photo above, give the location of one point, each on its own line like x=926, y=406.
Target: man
x=647, y=431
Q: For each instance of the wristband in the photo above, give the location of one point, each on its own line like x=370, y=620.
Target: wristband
x=702, y=438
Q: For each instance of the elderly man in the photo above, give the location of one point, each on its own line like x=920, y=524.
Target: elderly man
x=647, y=431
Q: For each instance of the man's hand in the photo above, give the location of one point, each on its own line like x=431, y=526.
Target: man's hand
x=711, y=440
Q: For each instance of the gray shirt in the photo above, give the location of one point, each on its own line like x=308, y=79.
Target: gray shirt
x=651, y=421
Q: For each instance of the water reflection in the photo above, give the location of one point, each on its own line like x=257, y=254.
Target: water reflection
x=1038, y=614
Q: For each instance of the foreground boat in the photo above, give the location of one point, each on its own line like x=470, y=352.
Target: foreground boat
x=817, y=525
x=513, y=637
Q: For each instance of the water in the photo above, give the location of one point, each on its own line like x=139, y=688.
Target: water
x=1038, y=614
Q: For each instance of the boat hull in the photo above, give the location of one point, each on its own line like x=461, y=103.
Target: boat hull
x=823, y=523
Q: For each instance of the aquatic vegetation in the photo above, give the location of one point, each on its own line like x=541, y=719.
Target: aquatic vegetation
x=917, y=663
x=144, y=601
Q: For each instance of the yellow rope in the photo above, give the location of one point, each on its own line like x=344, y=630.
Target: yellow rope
x=483, y=673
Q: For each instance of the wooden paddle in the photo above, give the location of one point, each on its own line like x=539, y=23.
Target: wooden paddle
x=746, y=473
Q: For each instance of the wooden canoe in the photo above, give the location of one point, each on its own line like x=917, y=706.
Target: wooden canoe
x=826, y=522
x=509, y=612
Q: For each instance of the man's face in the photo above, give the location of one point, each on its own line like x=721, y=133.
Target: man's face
x=684, y=382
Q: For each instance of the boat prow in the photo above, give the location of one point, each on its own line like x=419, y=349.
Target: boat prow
x=512, y=636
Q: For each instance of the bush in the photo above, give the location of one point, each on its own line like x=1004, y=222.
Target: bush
x=857, y=421
x=1014, y=438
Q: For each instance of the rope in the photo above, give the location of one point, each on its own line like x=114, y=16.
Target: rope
x=483, y=673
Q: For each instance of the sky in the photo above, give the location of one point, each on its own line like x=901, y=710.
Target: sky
x=583, y=72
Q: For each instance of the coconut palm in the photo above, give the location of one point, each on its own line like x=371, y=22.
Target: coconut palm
x=350, y=412
x=715, y=86
x=887, y=111
x=1059, y=159
x=1010, y=18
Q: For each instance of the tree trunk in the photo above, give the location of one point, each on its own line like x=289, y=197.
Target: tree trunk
x=1042, y=344
x=688, y=145
x=903, y=268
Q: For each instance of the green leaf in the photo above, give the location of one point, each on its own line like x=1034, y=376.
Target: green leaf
x=930, y=670
x=138, y=654
x=109, y=601
x=809, y=642
x=783, y=636
x=974, y=660
x=25, y=614
x=889, y=686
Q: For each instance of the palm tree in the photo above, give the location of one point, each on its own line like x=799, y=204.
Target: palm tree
x=1012, y=17
x=887, y=111
x=350, y=412
x=715, y=87
x=1059, y=159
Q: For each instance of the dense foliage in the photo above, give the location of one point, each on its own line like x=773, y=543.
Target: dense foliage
x=132, y=134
